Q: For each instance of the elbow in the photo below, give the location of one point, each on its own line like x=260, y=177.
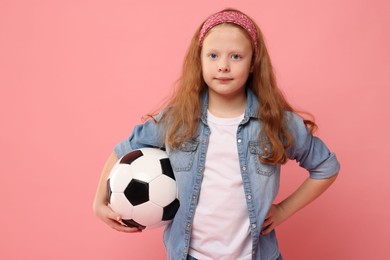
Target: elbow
x=332, y=178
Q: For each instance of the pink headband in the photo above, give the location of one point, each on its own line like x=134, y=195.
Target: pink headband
x=229, y=17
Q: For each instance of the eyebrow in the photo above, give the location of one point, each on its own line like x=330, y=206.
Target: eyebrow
x=229, y=51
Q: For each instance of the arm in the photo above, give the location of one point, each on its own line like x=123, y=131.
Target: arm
x=306, y=193
x=148, y=134
x=100, y=203
x=312, y=154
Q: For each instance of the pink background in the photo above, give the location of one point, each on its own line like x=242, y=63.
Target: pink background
x=75, y=76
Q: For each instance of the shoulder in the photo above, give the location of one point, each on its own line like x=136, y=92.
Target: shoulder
x=296, y=127
x=294, y=123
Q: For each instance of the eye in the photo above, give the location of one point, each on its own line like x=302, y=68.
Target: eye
x=213, y=56
x=236, y=57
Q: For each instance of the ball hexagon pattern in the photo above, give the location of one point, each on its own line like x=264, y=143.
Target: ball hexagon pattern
x=142, y=189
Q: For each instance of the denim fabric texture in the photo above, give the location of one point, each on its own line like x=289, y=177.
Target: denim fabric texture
x=260, y=180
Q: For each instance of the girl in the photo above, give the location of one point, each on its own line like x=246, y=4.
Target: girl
x=227, y=130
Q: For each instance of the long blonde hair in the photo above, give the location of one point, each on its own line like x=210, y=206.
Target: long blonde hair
x=183, y=110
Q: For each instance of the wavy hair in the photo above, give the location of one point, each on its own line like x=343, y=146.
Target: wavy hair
x=182, y=112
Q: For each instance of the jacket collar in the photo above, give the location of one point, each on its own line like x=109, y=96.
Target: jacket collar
x=252, y=105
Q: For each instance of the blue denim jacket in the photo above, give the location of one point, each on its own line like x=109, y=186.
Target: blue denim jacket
x=260, y=180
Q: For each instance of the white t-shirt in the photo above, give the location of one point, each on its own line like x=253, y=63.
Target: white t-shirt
x=221, y=224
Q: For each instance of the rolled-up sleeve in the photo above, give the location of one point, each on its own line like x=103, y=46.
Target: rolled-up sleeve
x=310, y=151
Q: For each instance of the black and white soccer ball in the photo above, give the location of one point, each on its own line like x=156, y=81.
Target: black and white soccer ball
x=142, y=189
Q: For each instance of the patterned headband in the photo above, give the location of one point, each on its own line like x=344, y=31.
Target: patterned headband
x=229, y=17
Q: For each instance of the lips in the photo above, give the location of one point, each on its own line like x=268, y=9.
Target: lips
x=224, y=79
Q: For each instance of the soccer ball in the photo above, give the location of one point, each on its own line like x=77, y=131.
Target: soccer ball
x=142, y=189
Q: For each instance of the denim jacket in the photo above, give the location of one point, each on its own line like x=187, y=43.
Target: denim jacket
x=260, y=180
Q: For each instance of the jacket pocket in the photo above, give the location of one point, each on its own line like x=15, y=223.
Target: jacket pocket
x=259, y=150
x=182, y=158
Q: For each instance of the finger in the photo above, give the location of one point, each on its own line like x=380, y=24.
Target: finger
x=267, y=230
x=126, y=229
x=114, y=216
x=267, y=222
x=121, y=227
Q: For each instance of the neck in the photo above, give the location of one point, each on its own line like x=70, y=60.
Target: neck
x=227, y=106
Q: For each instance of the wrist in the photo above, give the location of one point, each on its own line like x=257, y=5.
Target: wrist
x=284, y=210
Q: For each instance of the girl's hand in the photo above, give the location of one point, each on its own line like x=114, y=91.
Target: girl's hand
x=112, y=219
x=100, y=203
x=306, y=193
x=274, y=218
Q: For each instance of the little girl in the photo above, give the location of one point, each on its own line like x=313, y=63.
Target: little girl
x=227, y=130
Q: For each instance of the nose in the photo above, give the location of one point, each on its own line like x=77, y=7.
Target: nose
x=223, y=67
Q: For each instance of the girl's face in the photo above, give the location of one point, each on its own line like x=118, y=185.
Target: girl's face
x=226, y=57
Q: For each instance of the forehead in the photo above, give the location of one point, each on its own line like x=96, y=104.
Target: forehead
x=227, y=34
